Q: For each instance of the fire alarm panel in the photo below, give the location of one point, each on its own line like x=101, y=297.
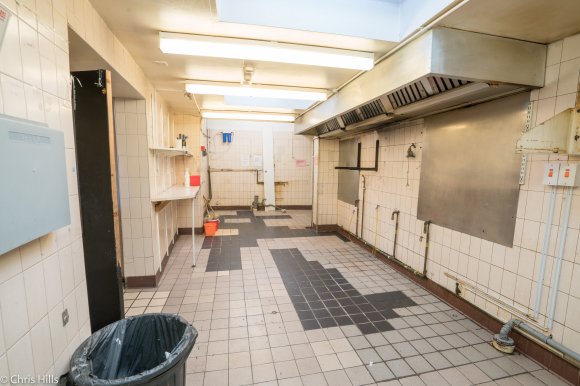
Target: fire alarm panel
x=551, y=174
x=568, y=175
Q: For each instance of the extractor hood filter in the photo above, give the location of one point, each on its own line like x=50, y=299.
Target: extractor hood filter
x=422, y=89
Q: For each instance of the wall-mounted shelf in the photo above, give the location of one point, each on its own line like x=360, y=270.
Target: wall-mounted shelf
x=176, y=192
x=170, y=152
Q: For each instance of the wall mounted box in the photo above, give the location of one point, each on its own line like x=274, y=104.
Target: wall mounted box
x=33, y=182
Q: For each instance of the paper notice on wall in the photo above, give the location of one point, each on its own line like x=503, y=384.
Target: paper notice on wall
x=257, y=160
x=245, y=161
x=4, y=18
x=301, y=163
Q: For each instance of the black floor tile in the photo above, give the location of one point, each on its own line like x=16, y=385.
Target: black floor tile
x=337, y=311
x=305, y=314
x=323, y=313
x=327, y=322
x=359, y=318
x=375, y=316
x=225, y=254
x=383, y=326
x=366, y=307
x=343, y=320
x=367, y=328
x=331, y=303
x=307, y=282
x=310, y=324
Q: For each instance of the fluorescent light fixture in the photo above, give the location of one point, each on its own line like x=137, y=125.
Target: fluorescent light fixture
x=232, y=48
x=254, y=91
x=266, y=102
x=247, y=116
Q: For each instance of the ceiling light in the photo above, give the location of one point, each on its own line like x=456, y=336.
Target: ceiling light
x=253, y=91
x=218, y=47
x=247, y=116
x=266, y=103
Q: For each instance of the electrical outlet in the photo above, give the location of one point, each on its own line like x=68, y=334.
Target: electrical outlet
x=65, y=317
x=551, y=173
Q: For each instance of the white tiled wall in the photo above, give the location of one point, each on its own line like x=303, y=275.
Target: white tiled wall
x=42, y=278
x=509, y=274
x=292, y=164
x=133, y=170
x=160, y=134
x=190, y=125
x=39, y=280
x=327, y=187
x=162, y=174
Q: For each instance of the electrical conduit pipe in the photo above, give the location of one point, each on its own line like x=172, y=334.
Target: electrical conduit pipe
x=362, y=219
x=559, y=257
x=543, y=258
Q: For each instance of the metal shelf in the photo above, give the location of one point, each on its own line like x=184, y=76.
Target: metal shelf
x=176, y=192
x=170, y=152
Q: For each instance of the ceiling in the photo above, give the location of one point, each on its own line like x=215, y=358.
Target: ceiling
x=137, y=24
x=537, y=21
x=84, y=58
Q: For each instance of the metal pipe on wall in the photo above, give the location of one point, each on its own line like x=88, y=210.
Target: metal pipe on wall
x=545, y=247
x=426, y=226
x=504, y=343
x=559, y=257
x=356, y=226
x=395, y=213
x=463, y=285
x=314, y=199
x=210, y=194
x=362, y=220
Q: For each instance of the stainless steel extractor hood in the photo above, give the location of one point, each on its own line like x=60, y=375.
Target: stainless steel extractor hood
x=441, y=70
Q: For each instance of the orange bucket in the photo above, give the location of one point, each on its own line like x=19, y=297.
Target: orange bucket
x=210, y=228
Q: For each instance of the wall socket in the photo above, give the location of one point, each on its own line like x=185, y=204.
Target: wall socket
x=65, y=317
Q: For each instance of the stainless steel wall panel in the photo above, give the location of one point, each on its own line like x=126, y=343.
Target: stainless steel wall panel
x=470, y=171
x=348, y=185
x=348, y=153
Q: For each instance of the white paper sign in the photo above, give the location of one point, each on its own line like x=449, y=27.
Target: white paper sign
x=257, y=160
x=4, y=18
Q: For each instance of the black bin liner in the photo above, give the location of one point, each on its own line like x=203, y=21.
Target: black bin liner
x=148, y=349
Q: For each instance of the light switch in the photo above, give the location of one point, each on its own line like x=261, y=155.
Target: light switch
x=551, y=174
x=568, y=175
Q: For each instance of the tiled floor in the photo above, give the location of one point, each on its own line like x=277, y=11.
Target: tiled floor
x=265, y=322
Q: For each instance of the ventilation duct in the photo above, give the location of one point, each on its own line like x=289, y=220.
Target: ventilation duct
x=442, y=70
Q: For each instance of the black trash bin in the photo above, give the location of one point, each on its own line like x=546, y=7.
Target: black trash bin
x=143, y=350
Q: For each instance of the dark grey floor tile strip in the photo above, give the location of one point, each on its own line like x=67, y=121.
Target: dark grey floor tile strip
x=323, y=298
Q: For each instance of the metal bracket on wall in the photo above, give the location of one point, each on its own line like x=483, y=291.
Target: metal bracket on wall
x=358, y=160
x=523, y=166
